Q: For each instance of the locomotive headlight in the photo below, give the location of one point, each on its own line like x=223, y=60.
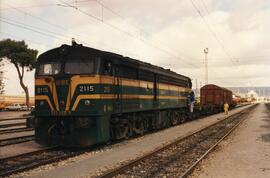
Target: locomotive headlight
x=87, y=102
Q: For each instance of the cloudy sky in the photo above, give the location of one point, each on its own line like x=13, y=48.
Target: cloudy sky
x=171, y=34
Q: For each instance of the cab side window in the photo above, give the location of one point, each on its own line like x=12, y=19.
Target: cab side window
x=108, y=68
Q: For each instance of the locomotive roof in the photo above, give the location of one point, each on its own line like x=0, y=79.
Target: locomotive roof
x=211, y=86
x=78, y=50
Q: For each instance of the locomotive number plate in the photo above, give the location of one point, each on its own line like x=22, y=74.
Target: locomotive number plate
x=86, y=88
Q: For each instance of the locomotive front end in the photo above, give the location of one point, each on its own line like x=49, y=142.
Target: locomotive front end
x=68, y=109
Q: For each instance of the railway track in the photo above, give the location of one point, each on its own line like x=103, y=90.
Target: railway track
x=22, y=162
x=15, y=118
x=12, y=125
x=15, y=130
x=16, y=140
x=178, y=159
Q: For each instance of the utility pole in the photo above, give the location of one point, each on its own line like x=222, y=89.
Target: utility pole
x=206, y=65
x=197, y=87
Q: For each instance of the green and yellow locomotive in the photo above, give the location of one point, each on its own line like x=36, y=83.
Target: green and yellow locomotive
x=84, y=96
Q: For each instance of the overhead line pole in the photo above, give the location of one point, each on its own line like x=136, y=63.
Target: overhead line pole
x=206, y=65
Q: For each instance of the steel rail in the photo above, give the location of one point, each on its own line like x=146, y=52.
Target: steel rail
x=23, y=129
x=54, y=157
x=9, y=172
x=124, y=167
x=16, y=140
x=15, y=118
x=28, y=153
x=69, y=154
x=193, y=166
x=12, y=125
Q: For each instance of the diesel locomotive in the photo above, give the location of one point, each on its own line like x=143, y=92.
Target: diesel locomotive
x=85, y=96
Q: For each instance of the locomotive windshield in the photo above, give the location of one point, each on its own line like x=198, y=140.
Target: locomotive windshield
x=49, y=69
x=79, y=67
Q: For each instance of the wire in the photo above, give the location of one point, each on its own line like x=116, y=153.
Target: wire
x=136, y=27
x=48, y=33
x=28, y=28
x=125, y=32
x=211, y=31
x=118, y=15
x=42, y=5
x=88, y=14
x=92, y=16
x=205, y=7
x=33, y=27
x=26, y=39
x=36, y=17
x=60, y=27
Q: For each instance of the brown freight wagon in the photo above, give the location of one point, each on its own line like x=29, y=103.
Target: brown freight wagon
x=213, y=98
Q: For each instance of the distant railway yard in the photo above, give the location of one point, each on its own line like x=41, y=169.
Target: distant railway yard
x=190, y=149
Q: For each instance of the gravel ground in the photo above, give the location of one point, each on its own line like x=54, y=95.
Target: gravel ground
x=92, y=163
x=246, y=153
x=13, y=150
x=175, y=160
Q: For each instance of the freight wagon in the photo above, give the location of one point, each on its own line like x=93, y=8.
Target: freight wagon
x=214, y=97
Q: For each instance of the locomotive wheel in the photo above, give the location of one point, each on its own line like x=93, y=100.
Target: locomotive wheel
x=174, y=119
x=182, y=118
x=139, y=128
x=124, y=132
x=112, y=134
x=129, y=131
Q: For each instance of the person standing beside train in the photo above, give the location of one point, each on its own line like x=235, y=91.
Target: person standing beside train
x=226, y=108
x=192, y=100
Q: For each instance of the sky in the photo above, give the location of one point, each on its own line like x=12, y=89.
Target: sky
x=172, y=34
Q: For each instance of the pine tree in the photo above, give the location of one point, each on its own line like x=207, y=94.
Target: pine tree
x=22, y=58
